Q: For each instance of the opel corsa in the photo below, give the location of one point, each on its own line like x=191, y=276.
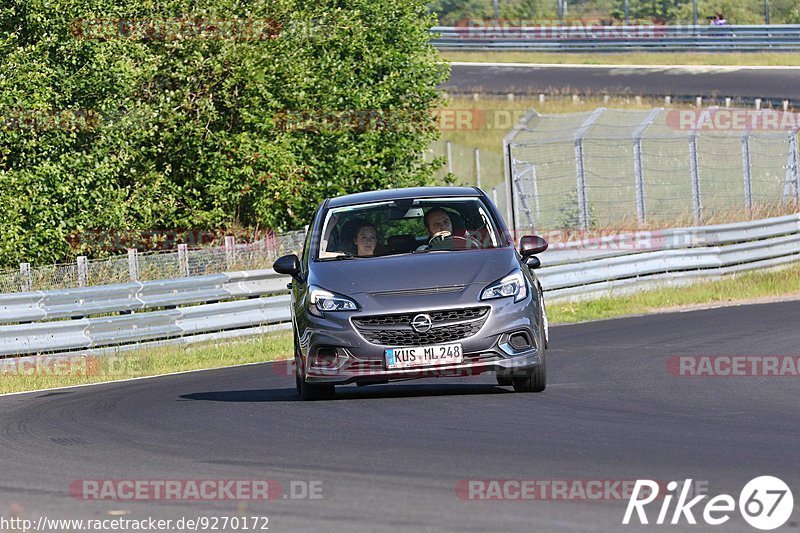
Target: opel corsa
x=413, y=283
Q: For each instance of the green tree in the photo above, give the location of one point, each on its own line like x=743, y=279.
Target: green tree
x=183, y=128
x=663, y=11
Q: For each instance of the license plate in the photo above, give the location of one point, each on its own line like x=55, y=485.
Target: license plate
x=414, y=356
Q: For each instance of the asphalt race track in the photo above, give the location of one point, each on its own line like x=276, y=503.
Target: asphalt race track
x=390, y=457
x=748, y=83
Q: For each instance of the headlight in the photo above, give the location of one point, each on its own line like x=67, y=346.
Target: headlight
x=320, y=300
x=512, y=285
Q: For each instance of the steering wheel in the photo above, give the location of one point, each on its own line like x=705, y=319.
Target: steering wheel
x=444, y=240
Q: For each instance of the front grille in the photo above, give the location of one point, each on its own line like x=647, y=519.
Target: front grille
x=438, y=317
x=448, y=326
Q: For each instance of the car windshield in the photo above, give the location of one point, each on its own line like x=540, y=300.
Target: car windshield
x=408, y=226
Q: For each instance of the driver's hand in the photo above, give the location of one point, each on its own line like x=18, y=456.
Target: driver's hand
x=439, y=235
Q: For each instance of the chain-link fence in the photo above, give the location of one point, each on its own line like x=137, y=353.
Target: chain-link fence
x=471, y=167
x=182, y=262
x=615, y=168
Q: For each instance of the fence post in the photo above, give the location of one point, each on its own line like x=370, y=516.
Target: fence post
x=583, y=201
x=25, y=276
x=638, y=175
x=478, y=167
x=83, y=271
x=638, y=164
x=796, y=156
x=535, y=184
x=183, y=259
x=580, y=167
x=133, y=264
x=792, y=180
x=230, y=251
x=696, y=200
x=523, y=198
x=747, y=171
x=449, y=151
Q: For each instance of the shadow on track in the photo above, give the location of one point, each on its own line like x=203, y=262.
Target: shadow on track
x=346, y=393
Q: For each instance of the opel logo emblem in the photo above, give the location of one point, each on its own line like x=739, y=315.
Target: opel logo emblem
x=422, y=323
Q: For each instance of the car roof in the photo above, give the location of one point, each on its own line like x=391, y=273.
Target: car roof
x=396, y=194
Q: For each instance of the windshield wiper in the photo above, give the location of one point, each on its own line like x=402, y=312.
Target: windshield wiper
x=338, y=257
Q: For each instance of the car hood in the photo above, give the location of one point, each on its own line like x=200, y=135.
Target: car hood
x=430, y=270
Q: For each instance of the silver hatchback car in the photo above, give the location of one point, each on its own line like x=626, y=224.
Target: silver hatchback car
x=412, y=283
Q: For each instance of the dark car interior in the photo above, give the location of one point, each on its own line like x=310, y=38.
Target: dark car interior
x=400, y=233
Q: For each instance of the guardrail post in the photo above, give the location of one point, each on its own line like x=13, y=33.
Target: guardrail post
x=133, y=264
x=696, y=200
x=183, y=259
x=747, y=172
x=83, y=271
x=230, y=251
x=478, y=167
x=26, y=282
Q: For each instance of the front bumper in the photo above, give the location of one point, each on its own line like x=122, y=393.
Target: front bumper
x=477, y=364
x=360, y=361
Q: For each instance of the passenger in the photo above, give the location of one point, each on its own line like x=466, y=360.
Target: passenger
x=366, y=240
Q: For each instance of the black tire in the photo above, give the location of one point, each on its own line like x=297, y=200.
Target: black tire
x=504, y=380
x=534, y=380
x=308, y=391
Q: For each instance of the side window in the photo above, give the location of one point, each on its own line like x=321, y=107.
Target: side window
x=306, y=248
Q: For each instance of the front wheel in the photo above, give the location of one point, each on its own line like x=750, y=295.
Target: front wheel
x=309, y=391
x=534, y=380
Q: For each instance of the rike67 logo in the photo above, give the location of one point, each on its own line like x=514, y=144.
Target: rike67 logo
x=765, y=503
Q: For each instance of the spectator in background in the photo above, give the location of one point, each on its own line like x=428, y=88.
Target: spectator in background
x=718, y=19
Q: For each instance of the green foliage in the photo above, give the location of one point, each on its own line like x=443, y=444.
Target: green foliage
x=663, y=11
x=183, y=130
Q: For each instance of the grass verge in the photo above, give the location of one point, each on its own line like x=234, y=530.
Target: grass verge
x=43, y=373
x=741, y=287
x=630, y=58
x=80, y=370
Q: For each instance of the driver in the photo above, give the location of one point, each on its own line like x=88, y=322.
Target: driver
x=440, y=232
x=437, y=221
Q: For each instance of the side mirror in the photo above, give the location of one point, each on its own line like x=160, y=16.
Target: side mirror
x=531, y=245
x=288, y=264
x=533, y=262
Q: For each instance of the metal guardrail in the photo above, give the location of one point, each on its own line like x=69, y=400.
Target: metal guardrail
x=490, y=35
x=112, y=315
x=687, y=254
x=105, y=319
